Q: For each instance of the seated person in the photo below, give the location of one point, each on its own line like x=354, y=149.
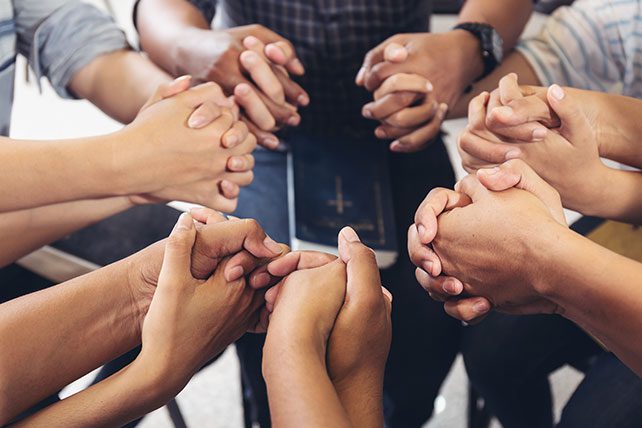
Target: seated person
x=593, y=44
x=263, y=43
x=588, y=125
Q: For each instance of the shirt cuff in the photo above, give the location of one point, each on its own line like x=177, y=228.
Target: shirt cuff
x=69, y=39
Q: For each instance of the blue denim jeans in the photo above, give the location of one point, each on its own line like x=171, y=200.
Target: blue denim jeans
x=425, y=339
x=509, y=359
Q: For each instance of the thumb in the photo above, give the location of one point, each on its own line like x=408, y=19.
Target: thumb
x=169, y=89
x=471, y=187
x=394, y=52
x=575, y=126
x=178, y=251
x=361, y=267
x=516, y=173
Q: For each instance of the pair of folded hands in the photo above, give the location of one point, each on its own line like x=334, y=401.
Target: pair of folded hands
x=214, y=279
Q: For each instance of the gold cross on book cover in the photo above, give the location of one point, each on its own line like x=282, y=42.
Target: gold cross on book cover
x=334, y=182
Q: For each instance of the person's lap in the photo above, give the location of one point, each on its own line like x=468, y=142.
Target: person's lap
x=509, y=359
x=421, y=353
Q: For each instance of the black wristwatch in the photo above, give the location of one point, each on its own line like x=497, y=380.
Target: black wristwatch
x=492, y=44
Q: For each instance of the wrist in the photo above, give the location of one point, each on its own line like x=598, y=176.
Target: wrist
x=546, y=259
x=143, y=269
x=586, y=193
x=121, y=171
x=158, y=384
x=298, y=348
x=471, y=64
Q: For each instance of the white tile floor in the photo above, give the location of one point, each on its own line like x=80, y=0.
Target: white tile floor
x=212, y=398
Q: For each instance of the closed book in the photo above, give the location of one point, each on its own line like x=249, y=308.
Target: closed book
x=340, y=181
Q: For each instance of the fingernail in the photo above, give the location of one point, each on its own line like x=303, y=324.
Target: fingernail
x=443, y=109
x=386, y=293
x=421, y=230
x=237, y=163
x=250, y=57
x=262, y=280
x=427, y=267
x=361, y=74
x=271, y=245
x=365, y=112
x=231, y=141
x=303, y=100
x=243, y=89
x=350, y=235
x=196, y=122
x=235, y=273
x=227, y=186
x=250, y=41
x=294, y=120
x=488, y=171
x=271, y=142
x=452, y=287
x=182, y=78
x=539, y=134
x=481, y=307
x=512, y=154
x=298, y=65
x=429, y=87
x=184, y=222
x=557, y=92
x=380, y=133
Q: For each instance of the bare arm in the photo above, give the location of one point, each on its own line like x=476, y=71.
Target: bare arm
x=24, y=231
x=161, y=23
x=599, y=290
x=37, y=173
x=118, y=83
x=298, y=364
x=96, y=318
x=508, y=17
x=121, y=398
x=515, y=62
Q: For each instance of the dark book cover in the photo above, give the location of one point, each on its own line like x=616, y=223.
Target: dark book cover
x=335, y=182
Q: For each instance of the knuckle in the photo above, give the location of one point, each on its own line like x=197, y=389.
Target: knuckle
x=252, y=224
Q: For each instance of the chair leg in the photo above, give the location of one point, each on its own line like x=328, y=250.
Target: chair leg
x=478, y=414
x=175, y=414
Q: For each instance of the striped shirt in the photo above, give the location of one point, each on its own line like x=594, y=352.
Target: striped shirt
x=593, y=44
x=58, y=37
x=331, y=38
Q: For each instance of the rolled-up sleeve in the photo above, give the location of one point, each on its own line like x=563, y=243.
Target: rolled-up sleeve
x=60, y=37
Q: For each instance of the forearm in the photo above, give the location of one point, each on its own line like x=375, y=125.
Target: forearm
x=515, y=62
x=118, y=83
x=119, y=399
x=53, y=337
x=25, y=231
x=616, y=196
x=37, y=173
x=618, y=124
x=161, y=24
x=299, y=388
x=508, y=17
x=362, y=397
x=599, y=290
